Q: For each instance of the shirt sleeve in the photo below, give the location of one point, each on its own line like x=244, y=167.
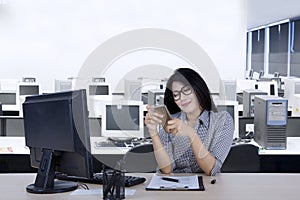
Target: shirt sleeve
x=166, y=141
x=222, y=140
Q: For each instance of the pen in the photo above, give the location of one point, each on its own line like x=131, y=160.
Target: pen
x=170, y=179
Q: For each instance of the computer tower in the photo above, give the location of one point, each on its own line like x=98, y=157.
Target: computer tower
x=248, y=101
x=154, y=96
x=270, y=121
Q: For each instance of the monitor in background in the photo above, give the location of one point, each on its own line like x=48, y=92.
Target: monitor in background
x=57, y=133
x=293, y=126
x=227, y=90
x=25, y=89
x=246, y=127
x=13, y=126
x=8, y=98
x=271, y=87
x=291, y=87
x=9, y=102
x=63, y=85
x=133, y=90
x=99, y=89
x=123, y=120
x=29, y=90
x=232, y=108
x=243, y=84
x=97, y=93
x=95, y=126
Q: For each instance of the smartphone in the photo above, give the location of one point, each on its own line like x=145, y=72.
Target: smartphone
x=162, y=109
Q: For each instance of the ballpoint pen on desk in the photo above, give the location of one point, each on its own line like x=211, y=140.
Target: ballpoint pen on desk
x=170, y=179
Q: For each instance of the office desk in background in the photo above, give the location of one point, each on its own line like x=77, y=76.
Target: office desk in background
x=287, y=160
x=14, y=155
x=228, y=186
x=271, y=161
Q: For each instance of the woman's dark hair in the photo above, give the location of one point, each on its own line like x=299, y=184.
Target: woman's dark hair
x=187, y=76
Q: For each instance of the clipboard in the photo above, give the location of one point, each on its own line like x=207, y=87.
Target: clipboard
x=176, y=183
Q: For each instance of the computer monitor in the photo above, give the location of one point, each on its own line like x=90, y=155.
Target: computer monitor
x=123, y=120
x=14, y=126
x=133, y=90
x=99, y=89
x=232, y=108
x=57, y=133
x=97, y=93
x=63, y=85
x=291, y=87
x=271, y=87
x=8, y=98
x=25, y=89
x=29, y=89
x=9, y=101
x=227, y=90
x=243, y=84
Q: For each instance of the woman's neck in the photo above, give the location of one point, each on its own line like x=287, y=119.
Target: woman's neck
x=193, y=116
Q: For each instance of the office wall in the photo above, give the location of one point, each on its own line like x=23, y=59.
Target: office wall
x=263, y=12
x=52, y=39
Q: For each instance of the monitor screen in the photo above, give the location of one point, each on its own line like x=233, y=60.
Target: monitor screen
x=63, y=85
x=99, y=90
x=29, y=89
x=57, y=133
x=232, y=108
x=95, y=126
x=14, y=126
x=123, y=120
x=7, y=98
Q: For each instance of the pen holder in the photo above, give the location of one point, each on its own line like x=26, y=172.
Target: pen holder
x=113, y=184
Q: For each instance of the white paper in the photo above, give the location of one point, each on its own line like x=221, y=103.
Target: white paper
x=184, y=182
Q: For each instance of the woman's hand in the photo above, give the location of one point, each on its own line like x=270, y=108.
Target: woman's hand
x=178, y=127
x=152, y=120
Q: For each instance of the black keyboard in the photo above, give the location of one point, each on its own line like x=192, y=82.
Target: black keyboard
x=98, y=179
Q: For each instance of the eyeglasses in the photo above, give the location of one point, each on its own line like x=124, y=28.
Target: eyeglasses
x=186, y=90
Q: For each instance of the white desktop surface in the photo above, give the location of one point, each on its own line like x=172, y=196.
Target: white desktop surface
x=17, y=144
x=293, y=148
x=13, y=145
x=233, y=186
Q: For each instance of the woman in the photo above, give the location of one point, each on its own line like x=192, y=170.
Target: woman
x=197, y=139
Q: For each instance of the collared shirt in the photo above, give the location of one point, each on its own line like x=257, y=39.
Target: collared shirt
x=215, y=130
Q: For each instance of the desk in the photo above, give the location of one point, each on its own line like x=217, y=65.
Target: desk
x=228, y=186
x=292, y=148
x=17, y=145
x=13, y=150
x=287, y=160
x=271, y=160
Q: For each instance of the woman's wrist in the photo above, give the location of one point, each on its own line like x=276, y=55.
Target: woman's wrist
x=154, y=135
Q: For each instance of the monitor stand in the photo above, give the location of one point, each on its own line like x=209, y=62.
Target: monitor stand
x=44, y=182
